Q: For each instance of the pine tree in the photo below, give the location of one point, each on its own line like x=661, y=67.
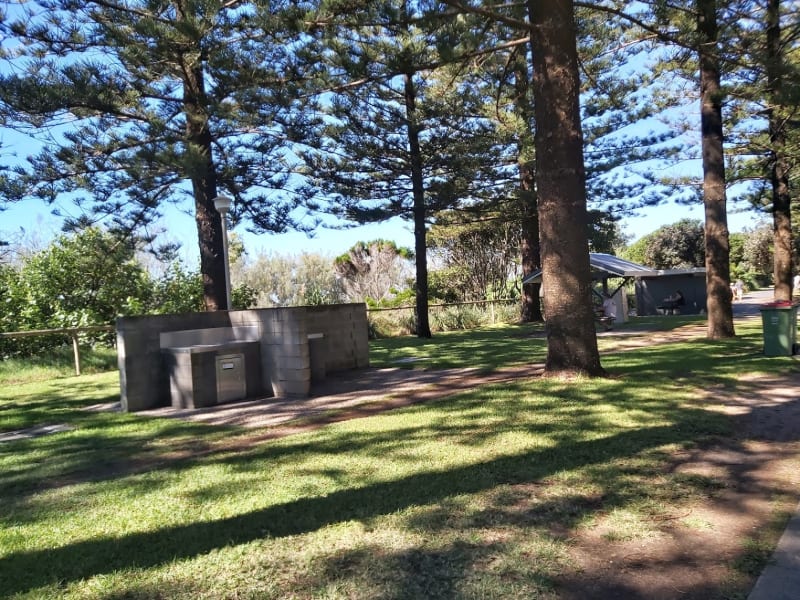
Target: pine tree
x=692, y=34
x=561, y=185
x=146, y=102
x=777, y=84
x=403, y=137
x=767, y=87
x=718, y=297
x=613, y=97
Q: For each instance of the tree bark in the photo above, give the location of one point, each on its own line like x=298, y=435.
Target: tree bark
x=530, y=309
x=420, y=224
x=781, y=198
x=202, y=173
x=718, y=303
x=561, y=186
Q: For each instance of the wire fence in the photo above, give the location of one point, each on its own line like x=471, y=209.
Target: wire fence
x=383, y=322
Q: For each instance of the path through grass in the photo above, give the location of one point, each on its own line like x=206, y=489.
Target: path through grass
x=470, y=496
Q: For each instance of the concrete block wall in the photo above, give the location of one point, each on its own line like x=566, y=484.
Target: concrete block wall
x=144, y=381
x=284, y=345
x=284, y=351
x=345, y=332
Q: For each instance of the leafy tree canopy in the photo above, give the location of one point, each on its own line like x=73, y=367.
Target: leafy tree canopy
x=290, y=280
x=372, y=270
x=675, y=246
x=79, y=280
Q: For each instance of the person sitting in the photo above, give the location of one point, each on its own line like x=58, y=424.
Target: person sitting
x=671, y=303
x=738, y=290
x=609, y=312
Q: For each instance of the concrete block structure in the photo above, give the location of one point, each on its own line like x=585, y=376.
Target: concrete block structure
x=173, y=359
x=206, y=375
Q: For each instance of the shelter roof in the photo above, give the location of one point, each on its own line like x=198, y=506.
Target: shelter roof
x=687, y=271
x=604, y=266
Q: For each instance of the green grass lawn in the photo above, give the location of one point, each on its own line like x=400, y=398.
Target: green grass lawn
x=57, y=363
x=465, y=497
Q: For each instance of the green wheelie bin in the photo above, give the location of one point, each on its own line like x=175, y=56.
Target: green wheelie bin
x=780, y=328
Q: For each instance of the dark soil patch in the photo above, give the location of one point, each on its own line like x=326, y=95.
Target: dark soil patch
x=718, y=545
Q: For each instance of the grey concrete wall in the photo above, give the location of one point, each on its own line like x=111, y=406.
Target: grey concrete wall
x=345, y=343
x=281, y=332
x=285, y=365
x=144, y=382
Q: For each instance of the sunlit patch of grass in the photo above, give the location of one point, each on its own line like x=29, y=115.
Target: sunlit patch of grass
x=56, y=363
x=471, y=496
x=487, y=348
x=623, y=524
x=54, y=400
x=698, y=523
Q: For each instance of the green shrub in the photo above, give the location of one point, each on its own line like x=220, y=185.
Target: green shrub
x=507, y=313
x=393, y=323
x=453, y=318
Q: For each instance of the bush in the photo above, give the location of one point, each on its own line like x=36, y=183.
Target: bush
x=402, y=321
x=453, y=318
x=507, y=313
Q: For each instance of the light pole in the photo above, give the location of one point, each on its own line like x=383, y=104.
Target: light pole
x=223, y=205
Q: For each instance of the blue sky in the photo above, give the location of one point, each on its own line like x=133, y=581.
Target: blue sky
x=33, y=221
x=39, y=225
x=35, y=218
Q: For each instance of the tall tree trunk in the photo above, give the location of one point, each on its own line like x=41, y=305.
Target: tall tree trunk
x=200, y=161
x=209, y=226
x=561, y=186
x=781, y=198
x=420, y=224
x=531, y=309
x=720, y=311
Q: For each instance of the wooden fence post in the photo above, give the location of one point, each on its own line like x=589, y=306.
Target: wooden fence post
x=72, y=332
x=74, y=335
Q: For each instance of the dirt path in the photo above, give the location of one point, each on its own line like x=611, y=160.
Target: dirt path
x=710, y=549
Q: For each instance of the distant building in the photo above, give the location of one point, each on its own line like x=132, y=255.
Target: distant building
x=652, y=289
x=652, y=286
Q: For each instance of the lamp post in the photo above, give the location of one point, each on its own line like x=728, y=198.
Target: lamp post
x=223, y=205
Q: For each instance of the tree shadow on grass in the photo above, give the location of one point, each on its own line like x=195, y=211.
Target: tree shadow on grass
x=104, y=449
x=24, y=571
x=102, y=454
x=56, y=402
x=460, y=568
x=30, y=570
